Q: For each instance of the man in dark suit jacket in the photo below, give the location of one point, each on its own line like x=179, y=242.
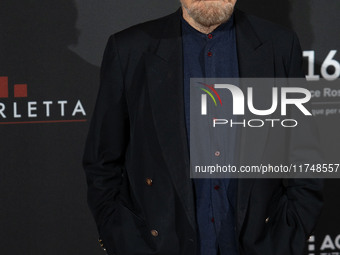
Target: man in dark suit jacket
x=137, y=161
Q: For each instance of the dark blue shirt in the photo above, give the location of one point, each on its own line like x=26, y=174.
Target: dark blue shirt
x=212, y=55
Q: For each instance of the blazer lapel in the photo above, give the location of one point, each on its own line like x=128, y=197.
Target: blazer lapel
x=256, y=60
x=164, y=70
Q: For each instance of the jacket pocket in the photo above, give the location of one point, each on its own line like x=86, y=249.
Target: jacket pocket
x=275, y=205
x=124, y=228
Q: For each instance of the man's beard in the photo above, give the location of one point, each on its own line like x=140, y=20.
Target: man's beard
x=210, y=13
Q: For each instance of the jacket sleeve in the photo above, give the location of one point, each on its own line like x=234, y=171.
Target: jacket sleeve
x=106, y=144
x=301, y=203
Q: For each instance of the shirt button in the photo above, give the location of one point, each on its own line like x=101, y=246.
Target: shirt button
x=210, y=54
x=148, y=181
x=217, y=153
x=217, y=187
x=210, y=36
x=154, y=232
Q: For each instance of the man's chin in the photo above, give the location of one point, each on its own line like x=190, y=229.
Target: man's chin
x=209, y=1
x=210, y=13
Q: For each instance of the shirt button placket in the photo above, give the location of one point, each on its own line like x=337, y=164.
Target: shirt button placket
x=210, y=36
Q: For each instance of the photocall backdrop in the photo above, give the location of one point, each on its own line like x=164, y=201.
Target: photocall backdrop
x=50, y=54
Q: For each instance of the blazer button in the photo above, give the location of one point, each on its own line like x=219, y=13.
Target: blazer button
x=266, y=220
x=148, y=181
x=154, y=232
x=101, y=244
